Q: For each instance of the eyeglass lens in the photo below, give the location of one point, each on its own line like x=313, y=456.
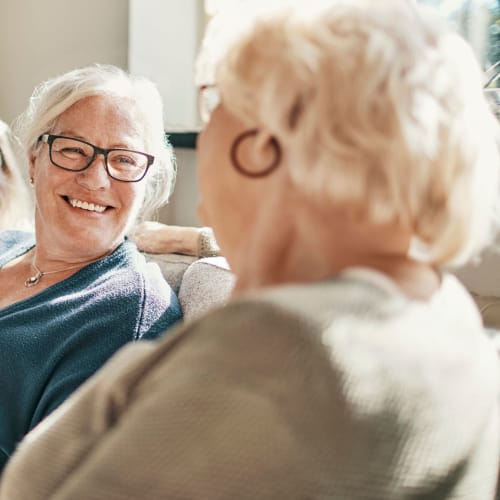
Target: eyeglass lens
x=209, y=99
x=73, y=154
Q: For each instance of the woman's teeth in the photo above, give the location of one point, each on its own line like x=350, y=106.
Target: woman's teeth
x=92, y=207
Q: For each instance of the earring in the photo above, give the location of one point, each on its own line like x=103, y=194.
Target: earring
x=252, y=173
x=32, y=181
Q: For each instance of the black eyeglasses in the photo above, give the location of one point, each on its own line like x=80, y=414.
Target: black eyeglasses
x=76, y=155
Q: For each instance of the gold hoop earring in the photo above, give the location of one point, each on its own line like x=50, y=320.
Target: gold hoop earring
x=251, y=173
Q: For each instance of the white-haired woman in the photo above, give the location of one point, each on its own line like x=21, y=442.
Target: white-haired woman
x=349, y=155
x=76, y=290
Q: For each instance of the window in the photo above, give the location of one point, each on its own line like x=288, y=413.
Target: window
x=478, y=21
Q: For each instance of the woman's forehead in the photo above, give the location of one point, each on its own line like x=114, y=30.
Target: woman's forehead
x=110, y=117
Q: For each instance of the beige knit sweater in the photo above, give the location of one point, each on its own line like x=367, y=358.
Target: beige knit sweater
x=340, y=390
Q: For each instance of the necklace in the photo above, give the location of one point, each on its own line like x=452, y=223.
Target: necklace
x=35, y=279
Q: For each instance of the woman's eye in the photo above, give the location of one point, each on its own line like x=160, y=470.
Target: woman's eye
x=127, y=160
x=72, y=151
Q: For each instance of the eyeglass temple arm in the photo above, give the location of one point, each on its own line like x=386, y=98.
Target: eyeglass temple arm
x=492, y=73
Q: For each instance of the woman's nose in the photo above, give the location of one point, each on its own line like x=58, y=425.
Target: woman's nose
x=95, y=177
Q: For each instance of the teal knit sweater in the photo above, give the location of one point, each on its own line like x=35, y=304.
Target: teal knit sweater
x=53, y=341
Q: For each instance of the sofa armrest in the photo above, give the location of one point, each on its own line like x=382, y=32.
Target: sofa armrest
x=172, y=265
x=207, y=283
x=200, y=284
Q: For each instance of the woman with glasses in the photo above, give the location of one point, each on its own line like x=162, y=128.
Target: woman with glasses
x=349, y=155
x=77, y=289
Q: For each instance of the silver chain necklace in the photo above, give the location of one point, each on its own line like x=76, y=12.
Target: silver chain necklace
x=35, y=278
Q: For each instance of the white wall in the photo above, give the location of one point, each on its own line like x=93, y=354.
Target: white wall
x=181, y=210
x=40, y=39
x=164, y=36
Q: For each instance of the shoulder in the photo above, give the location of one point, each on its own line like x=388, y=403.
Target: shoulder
x=10, y=238
x=399, y=374
x=14, y=243
x=296, y=313
x=127, y=273
x=124, y=283
x=151, y=284
x=378, y=341
x=159, y=305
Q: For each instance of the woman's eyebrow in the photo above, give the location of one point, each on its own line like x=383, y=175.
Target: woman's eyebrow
x=72, y=134
x=118, y=145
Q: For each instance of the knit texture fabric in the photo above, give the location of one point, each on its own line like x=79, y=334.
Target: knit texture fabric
x=342, y=390
x=207, y=283
x=53, y=341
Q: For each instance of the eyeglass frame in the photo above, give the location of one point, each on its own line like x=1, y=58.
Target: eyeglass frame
x=205, y=110
x=50, y=138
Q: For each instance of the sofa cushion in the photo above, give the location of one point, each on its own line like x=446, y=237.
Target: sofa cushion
x=200, y=284
x=173, y=266
x=207, y=283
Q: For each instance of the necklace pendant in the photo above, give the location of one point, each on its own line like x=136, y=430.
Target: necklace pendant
x=33, y=280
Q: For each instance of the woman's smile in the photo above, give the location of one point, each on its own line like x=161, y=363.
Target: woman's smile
x=88, y=206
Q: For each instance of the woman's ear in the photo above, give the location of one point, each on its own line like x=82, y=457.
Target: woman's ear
x=264, y=147
x=266, y=150
x=255, y=153
x=31, y=163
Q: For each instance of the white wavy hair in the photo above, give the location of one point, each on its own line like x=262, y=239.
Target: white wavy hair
x=53, y=97
x=379, y=106
x=16, y=205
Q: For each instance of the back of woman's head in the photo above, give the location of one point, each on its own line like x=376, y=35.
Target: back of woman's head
x=379, y=108
x=53, y=97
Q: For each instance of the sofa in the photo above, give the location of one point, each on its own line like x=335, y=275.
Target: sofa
x=200, y=283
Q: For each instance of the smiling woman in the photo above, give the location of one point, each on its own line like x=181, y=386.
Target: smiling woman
x=78, y=289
